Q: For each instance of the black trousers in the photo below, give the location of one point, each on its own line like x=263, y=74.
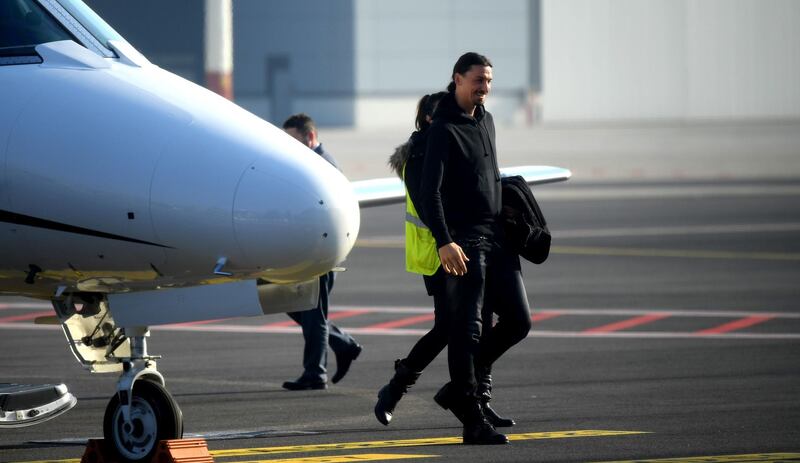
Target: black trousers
x=319, y=333
x=435, y=340
x=493, y=282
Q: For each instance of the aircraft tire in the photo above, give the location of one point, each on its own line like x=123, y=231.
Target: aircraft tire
x=155, y=416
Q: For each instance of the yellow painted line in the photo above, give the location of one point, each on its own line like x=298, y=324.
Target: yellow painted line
x=387, y=444
x=409, y=443
x=318, y=459
x=344, y=458
x=68, y=460
x=752, y=457
x=391, y=243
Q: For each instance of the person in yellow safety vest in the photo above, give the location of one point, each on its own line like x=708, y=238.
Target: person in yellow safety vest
x=422, y=258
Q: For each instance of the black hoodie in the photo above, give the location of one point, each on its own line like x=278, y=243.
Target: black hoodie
x=461, y=191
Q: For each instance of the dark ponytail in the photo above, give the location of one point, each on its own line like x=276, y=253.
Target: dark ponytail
x=426, y=107
x=466, y=61
x=420, y=121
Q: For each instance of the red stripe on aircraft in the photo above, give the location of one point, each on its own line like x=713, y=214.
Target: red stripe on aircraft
x=736, y=325
x=27, y=316
x=629, y=323
x=541, y=316
x=402, y=322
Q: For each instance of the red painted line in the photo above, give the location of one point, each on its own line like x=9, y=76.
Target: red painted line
x=346, y=314
x=331, y=316
x=27, y=316
x=282, y=324
x=541, y=316
x=629, y=323
x=736, y=325
x=200, y=322
x=402, y=322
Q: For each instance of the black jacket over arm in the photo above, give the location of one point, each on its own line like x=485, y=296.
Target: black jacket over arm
x=461, y=191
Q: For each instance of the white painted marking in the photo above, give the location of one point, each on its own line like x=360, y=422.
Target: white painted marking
x=683, y=230
x=563, y=311
x=676, y=191
x=589, y=311
x=248, y=329
x=398, y=241
x=26, y=305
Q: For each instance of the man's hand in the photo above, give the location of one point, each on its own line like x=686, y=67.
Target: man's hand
x=453, y=259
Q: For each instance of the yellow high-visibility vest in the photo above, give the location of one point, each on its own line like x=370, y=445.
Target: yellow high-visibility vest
x=422, y=257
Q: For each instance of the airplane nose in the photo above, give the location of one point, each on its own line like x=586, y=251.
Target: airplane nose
x=295, y=217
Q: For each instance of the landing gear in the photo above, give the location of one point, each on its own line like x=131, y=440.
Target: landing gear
x=153, y=416
x=142, y=412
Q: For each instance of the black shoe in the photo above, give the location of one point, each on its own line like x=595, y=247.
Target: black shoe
x=343, y=362
x=303, y=384
x=477, y=430
x=390, y=394
x=483, y=434
x=385, y=406
x=494, y=419
x=484, y=392
x=444, y=398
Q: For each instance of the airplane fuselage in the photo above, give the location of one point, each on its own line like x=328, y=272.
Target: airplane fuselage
x=116, y=175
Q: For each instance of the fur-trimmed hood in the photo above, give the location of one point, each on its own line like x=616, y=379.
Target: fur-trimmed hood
x=399, y=158
x=415, y=146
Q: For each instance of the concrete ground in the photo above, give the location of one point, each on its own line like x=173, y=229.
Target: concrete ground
x=666, y=321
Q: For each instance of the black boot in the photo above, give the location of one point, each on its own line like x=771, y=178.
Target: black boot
x=447, y=400
x=484, y=392
x=477, y=430
x=390, y=394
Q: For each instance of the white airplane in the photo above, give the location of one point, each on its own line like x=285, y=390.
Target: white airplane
x=130, y=197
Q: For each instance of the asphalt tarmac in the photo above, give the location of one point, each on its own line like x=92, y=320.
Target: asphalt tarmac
x=667, y=326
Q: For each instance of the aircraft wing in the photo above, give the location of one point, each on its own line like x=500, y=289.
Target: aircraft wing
x=390, y=190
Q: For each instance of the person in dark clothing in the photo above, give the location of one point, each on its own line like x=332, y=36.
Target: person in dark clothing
x=461, y=202
x=407, y=162
x=318, y=332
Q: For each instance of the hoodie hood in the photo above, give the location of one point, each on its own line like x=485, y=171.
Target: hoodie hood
x=449, y=110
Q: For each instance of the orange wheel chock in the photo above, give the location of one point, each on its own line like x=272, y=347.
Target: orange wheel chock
x=169, y=451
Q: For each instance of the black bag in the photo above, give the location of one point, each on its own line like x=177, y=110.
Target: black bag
x=523, y=221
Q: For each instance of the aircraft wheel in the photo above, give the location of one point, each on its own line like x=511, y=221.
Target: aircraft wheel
x=155, y=416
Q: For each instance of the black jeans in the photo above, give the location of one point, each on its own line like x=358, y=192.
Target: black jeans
x=493, y=282
x=435, y=340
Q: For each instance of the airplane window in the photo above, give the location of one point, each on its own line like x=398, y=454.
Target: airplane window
x=25, y=23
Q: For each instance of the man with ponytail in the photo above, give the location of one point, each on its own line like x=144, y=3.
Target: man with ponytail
x=422, y=258
x=461, y=203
